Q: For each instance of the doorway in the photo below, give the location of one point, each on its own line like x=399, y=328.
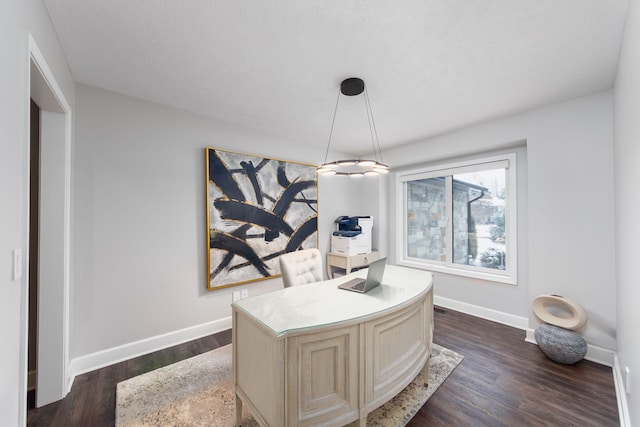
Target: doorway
x=34, y=214
x=51, y=216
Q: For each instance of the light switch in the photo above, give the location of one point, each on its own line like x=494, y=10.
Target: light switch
x=17, y=263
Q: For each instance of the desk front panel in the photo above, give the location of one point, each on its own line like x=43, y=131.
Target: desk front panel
x=322, y=376
x=397, y=347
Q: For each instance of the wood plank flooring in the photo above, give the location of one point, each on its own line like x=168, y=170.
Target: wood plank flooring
x=503, y=381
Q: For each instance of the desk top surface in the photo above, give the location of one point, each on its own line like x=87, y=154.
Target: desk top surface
x=322, y=303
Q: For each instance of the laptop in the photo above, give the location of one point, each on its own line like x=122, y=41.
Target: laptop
x=374, y=277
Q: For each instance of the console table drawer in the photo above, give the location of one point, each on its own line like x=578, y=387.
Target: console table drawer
x=349, y=262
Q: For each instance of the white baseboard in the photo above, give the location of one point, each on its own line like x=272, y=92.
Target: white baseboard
x=621, y=393
x=91, y=362
x=100, y=359
x=596, y=354
x=483, y=313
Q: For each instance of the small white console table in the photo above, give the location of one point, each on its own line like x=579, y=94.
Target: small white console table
x=349, y=262
x=316, y=355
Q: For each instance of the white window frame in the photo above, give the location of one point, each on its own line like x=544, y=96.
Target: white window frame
x=507, y=161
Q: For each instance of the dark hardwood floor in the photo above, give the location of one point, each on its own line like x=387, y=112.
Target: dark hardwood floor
x=502, y=381
x=505, y=381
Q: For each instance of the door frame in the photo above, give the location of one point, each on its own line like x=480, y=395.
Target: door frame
x=53, y=379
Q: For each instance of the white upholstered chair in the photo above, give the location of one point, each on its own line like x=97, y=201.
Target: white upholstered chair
x=301, y=267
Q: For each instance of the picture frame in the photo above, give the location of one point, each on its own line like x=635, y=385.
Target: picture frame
x=257, y=209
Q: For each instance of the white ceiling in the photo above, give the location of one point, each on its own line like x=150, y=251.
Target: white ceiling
x=430, y=65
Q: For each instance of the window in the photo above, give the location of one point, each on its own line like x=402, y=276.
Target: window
x=460, y=218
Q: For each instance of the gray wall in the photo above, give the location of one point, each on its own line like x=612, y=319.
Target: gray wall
x=627, y=180
x=566, y=230
x=139, y=221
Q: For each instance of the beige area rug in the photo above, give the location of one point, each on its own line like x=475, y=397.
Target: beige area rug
x=199, y=392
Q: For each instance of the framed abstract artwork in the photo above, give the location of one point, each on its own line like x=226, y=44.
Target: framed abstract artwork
x=257, y=209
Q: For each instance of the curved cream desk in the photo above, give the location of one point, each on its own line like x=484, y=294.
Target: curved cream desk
x=317, y=355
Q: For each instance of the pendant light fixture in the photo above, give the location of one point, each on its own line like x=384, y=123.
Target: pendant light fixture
x=355, y=168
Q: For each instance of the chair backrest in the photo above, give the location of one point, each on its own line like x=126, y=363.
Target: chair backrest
x=301, y=267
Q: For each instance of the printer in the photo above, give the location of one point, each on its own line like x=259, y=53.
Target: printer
x=352, y=235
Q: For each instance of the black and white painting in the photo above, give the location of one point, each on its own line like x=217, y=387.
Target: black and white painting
x=257, y=209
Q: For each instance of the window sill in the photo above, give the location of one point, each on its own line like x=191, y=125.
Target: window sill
x=498, y=278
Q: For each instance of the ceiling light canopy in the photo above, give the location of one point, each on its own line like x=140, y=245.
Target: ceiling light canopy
x=355, y=168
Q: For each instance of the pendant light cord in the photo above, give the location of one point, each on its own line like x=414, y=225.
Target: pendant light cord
x=332, y=123
x=372, y=126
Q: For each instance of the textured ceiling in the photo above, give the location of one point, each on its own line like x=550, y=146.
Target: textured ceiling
x=430, y=65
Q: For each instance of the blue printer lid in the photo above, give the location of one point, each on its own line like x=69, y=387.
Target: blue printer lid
x=347, y=233
x=348, y=223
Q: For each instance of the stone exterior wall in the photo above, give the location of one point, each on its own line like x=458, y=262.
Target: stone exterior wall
x=460, y=224
x=426, y=219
